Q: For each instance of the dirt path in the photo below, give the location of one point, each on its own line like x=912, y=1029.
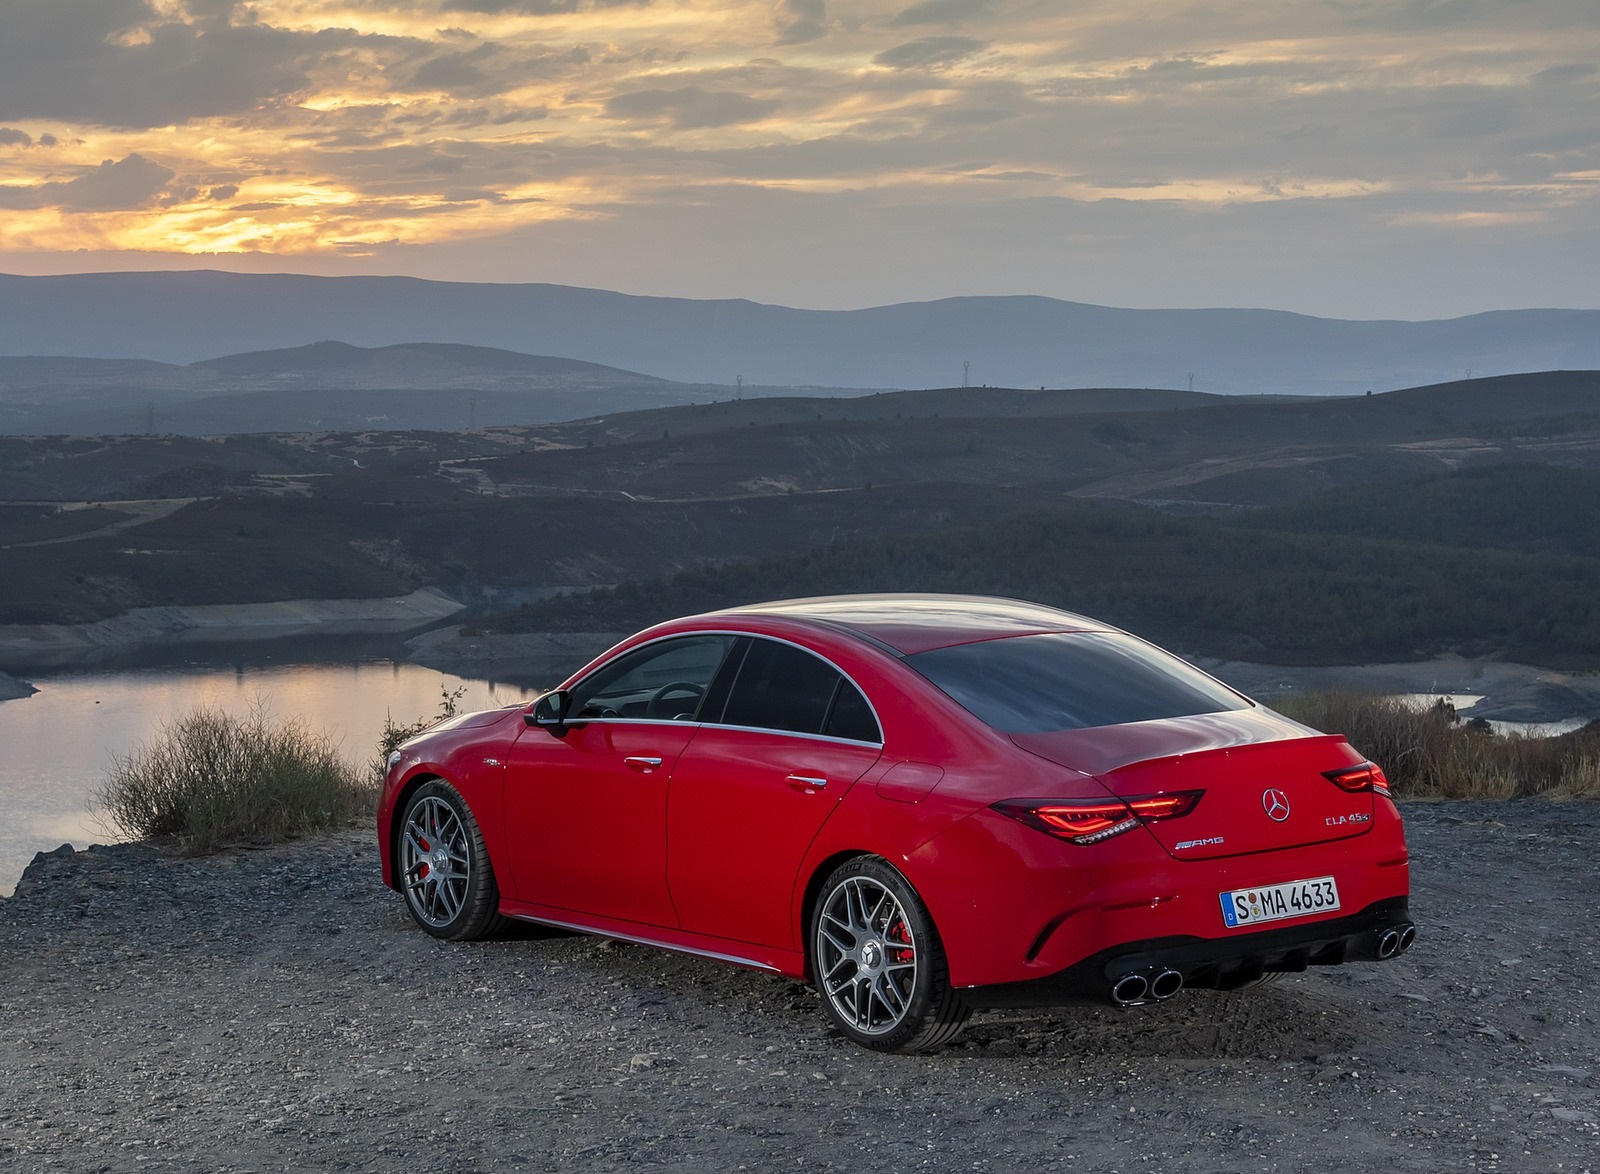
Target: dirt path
x=139, y=513
x=275, y=1010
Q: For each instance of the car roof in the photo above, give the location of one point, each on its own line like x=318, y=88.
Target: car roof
x=909, y=624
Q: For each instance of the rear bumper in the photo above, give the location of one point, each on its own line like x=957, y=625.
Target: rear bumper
x=1210, y=963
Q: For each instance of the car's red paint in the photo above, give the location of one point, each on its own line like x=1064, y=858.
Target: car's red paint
x=587, y=815
x=746, y=805
x=720, y=847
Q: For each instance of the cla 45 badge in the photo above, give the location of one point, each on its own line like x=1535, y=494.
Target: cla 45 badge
x=1337, y=821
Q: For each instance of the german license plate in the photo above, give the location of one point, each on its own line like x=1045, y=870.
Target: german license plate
x=1301, y=898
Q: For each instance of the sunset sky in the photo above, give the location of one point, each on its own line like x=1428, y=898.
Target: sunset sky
x=1353, y=158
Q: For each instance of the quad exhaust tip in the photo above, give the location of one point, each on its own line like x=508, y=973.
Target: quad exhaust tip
x=1132, y=989
x=1396, y=940
x=1166, y=984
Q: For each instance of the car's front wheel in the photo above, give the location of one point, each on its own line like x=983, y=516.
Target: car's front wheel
x=878, y=961
x=444, y=868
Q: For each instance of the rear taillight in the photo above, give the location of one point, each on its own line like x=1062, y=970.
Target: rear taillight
x=1368, y=776
x=1089, y=821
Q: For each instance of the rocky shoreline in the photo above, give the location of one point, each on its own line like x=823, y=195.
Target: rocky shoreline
x=39, y=645
x=272, y=1009
x=1511, y=692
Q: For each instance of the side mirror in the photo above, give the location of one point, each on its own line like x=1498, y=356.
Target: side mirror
x=550, y=712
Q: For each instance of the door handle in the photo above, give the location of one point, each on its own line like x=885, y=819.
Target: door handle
x=806, y=782
x=642, y=763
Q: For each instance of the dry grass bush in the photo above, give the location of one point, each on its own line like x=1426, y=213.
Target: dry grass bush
x=212, y=779
x=1429, y=753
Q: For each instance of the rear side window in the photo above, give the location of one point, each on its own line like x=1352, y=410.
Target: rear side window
x=1071, y=681
x=780, y=687
x=852, y=716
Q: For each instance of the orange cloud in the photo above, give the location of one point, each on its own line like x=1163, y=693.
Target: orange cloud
x=298, y=126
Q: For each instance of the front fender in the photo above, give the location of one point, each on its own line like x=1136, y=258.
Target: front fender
x=474, y=766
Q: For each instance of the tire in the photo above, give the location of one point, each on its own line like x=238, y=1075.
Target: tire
x=444, y=868
x=878, y=961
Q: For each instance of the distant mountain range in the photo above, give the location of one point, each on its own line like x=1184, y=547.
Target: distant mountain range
x=326, y=386
x=185, y=317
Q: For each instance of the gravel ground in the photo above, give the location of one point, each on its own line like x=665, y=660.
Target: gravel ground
x=274, y=1009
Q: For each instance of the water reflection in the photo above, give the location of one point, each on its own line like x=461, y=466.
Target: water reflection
x=56, y=745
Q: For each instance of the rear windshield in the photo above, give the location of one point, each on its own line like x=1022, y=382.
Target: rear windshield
x=1071, y=681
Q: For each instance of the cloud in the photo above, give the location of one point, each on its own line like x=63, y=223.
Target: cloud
x=801, y=21
x=690, y=107
x=122, y=63
x=1563, y=74
x=928, y=52
x=127, y=183
x=490, y=68
x=211, y=11
x=370, y=121
x=453, y=71
x=133, y=182
x=941, y=12
x=539, y=7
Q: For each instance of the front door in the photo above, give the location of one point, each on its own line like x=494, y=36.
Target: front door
x=586, y=818
x=586, y=812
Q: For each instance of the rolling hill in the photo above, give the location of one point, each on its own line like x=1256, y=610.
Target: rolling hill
x=325, y=386
x=1454, y=517
x=183, y=317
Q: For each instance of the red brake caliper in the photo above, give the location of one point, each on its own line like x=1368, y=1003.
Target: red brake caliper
x=899, y=933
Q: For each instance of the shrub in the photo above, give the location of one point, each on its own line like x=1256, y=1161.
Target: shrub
x=1429, y=753
x=212, y=779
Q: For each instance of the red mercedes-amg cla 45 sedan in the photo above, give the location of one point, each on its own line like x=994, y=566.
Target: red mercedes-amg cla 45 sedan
x=920, y=804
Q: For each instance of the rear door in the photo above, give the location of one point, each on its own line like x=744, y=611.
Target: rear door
x=753, y=787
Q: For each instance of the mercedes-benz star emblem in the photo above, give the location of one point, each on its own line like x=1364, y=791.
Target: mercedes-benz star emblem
x=1275, y=803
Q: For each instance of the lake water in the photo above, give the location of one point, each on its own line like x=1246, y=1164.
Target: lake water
x=56, y=746
x=1465, y=703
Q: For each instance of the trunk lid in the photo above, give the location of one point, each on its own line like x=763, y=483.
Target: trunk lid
x=1261, y=773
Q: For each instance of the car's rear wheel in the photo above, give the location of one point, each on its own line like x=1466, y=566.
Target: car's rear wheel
x=878, y=961
x=444, y=867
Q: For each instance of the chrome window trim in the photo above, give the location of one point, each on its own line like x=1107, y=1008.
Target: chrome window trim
x=664, y=721
x=873, y=709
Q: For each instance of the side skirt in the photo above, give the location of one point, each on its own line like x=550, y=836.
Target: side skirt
x=743, y=954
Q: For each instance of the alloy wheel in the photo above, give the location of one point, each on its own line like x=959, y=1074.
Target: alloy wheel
x=866, y=955
x=436, y=861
